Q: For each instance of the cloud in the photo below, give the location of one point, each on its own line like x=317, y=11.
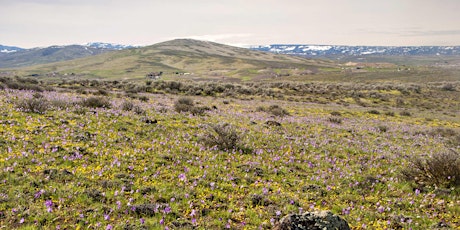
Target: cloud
x=432, y=33
x=237, y=37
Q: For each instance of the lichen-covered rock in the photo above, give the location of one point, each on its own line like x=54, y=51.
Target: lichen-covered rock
x=321, y=220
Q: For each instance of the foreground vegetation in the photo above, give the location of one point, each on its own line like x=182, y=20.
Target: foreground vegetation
x=112, y=155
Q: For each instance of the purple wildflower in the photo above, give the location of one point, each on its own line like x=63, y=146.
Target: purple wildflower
x=49, y=205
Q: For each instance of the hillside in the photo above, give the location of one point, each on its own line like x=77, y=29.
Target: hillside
x=174, y=58
x=14, y=57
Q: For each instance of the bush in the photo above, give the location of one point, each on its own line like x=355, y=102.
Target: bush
x=405, y=113
x=448, y=87
x=127, y=106
x=373, y=111
x=441, y=169
x=224, y=136
x=277, y=110
x=382, y=128
x=336, y=113
x=33, y=105
x=96, y=102
x=335, y=119
x=185, y=104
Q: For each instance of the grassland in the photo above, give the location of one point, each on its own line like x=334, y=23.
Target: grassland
x=134, y=162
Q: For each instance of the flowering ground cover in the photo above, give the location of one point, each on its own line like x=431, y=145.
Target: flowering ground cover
x=139, y=164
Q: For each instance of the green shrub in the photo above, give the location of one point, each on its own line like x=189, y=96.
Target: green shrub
x=185, y=104
x=382, y=128
x=223, y=136
x=336, y=113
x=96, y=102
x=33, y=105
x=373, y=111
x=335, y=119
x=390, y=113
x=441, y=169
x=275, y=110
x=127, y=106
x=405, y=113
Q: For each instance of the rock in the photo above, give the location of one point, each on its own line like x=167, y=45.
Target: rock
x=441, y=225
x=273, y=123
x=320, y=220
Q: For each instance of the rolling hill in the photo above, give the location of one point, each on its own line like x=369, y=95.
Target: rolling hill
x=14, y=58
x=196, y=59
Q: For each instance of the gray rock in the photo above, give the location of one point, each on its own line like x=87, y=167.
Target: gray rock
x=320, y=220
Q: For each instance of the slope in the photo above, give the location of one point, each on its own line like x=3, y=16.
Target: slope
x=199, y=59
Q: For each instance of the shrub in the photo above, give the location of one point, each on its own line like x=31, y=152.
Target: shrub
x=275, y=110
x=185, y=104
x=390, y=113
x=96, y=102
x=139, y=110
x=336, y=113
x=224, y=136
x=382, y=128
x=33, y=105
x=373, y=111
x=127, y=106
x=448, y=87
x=405, y=113
x=441, y=169
x=102, y=92
x=335, y=119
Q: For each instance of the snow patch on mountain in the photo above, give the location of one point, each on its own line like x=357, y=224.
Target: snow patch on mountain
x=111, y=46
x=333, y=50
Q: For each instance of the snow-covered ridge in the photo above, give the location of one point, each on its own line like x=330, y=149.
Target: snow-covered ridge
x=331, y=50
x=111, y=46
x=9, y=49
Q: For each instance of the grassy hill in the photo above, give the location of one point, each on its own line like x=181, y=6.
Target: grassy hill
x=38, y=56
x=198, y=58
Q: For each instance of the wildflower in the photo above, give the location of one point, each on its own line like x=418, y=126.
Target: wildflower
x=278, y=213
x=109, y=227
x=21, y=221
x=182, y=177
x=38, y=194
x=162, y=221
x=106, y=217
x=49, y=205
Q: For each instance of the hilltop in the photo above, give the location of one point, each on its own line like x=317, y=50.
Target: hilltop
x=182, y=56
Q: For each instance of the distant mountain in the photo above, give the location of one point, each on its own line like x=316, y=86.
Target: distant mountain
x=9, y=49
x=336, y=50
x=13, y=57
x=110, y=46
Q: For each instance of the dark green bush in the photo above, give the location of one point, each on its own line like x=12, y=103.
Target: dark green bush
x=335, y=119
x=127, y=106
x=405, y=113
x=373, y=111
x=441, y=170
x=33, y=105
x=223, y=136
x=96, y=102
x=185, y=104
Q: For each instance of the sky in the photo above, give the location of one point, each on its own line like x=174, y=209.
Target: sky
x=40, y=23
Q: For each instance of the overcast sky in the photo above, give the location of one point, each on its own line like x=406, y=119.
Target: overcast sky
x=32, y=23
